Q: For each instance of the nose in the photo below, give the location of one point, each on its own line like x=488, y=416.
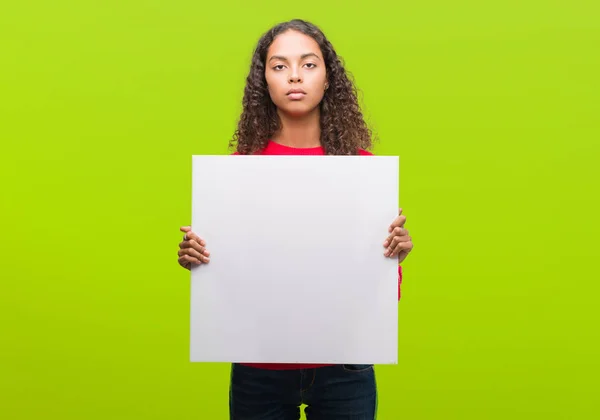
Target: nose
x=295, y=77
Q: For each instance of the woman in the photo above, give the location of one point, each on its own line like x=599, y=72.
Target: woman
x=299, y=100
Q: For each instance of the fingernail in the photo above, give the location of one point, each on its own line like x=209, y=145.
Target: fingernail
x=386, y=243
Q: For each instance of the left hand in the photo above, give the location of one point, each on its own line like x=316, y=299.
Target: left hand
x=398, y=243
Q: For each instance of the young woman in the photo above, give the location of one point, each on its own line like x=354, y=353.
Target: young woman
x=299, y=100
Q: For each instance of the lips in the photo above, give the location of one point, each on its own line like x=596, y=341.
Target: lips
x=296, y=94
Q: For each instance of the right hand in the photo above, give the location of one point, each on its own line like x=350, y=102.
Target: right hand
x=192, y=249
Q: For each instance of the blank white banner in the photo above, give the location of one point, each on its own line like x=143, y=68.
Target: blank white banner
x=297, y=271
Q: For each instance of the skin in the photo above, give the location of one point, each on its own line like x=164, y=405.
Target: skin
x=295, y=61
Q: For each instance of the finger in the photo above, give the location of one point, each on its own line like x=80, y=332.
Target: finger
x=199, y=246
x=202, y=255
x=184, y=264
x=201, y=259
x=402, y=247
x=196, y=243
x=397, y=239
x=186, y=260
x=189, y=251
x=185, y=229
x=191, y=236
x=395, y=242
x=397, y=231
x=399, y=222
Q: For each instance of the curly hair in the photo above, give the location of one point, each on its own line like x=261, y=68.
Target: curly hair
x=343, y=128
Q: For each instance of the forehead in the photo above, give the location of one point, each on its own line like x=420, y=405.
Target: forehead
x=292, y=43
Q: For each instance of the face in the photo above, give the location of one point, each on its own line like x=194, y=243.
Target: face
x=295, y=73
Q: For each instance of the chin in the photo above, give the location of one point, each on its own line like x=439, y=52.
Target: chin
x=298, y=110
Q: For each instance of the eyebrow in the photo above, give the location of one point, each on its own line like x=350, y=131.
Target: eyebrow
x=302, y=57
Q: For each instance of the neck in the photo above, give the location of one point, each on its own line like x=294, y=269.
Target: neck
x=304, y=132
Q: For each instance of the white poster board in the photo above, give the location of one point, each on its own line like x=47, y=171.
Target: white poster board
x=297, y=271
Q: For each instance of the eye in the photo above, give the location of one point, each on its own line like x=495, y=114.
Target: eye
x=278, y=67
x=311, y=65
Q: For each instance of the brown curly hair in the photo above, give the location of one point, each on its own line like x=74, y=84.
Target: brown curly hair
x=343, y=128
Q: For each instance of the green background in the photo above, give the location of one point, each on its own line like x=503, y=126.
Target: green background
x=491, y=106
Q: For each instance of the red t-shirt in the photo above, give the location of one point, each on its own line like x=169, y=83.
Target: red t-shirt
x=273, y=148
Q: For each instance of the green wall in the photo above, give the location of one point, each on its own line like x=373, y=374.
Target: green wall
x=491, y=106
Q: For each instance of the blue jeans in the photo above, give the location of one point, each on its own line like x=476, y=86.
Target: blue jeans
x=332, y=392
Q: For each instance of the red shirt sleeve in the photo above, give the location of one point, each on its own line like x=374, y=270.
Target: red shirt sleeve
x=399, y=281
